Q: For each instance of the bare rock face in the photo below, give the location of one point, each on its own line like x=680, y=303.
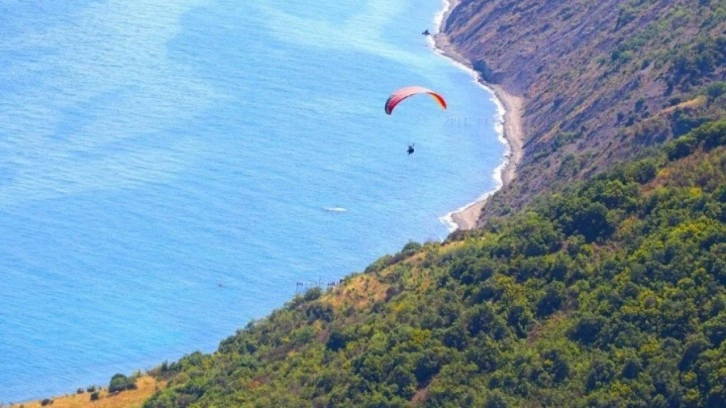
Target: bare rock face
x=487, y=74
x=601, y=80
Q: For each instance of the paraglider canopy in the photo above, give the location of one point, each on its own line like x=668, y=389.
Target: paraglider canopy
x=402, y=93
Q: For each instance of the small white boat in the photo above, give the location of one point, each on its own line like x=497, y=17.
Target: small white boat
x=335, y=209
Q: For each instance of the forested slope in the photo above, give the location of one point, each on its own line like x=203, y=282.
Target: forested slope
x=608, y=294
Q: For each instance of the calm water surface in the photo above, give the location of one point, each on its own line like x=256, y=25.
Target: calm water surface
x=165, y=169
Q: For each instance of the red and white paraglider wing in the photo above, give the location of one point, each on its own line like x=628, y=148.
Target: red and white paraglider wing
x=400, y=94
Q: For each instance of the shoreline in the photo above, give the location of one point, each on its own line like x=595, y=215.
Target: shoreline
x=509, y=127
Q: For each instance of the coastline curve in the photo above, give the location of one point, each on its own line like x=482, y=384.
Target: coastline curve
x=508, y=125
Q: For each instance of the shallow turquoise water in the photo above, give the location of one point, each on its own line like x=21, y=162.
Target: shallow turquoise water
x=165, y=169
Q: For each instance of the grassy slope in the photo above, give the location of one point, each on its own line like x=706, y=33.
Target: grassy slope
x=128, y=399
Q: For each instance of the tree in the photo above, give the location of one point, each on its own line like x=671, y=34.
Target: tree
x=715, y=329
x=552, y=299
x=587, y=329
x=120, y=382
x=591, y=221
x=601, y=372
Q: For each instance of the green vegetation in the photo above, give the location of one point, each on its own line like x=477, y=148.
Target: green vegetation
x=120, y=382
x=610, y=293
x=604, y=284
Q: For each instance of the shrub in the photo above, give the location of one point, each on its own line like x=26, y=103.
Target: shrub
x=680, y=148
x=336, y=341
x=120, y=382
x=312, y=294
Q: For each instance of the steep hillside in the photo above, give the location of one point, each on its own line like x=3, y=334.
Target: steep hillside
x=601, y=80
x=605, y=284
x=609, y=294
x=604, y=292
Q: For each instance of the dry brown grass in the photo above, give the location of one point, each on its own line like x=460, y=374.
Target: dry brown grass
x=359, y=291
x=692, y=103
x=127, y=399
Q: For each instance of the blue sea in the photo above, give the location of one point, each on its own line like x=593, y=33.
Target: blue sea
x=171, y=170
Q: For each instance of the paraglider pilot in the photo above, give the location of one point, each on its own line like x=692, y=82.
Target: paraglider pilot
x=410, y=149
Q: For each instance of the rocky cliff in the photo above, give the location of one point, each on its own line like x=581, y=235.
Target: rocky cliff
x=601, y=80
